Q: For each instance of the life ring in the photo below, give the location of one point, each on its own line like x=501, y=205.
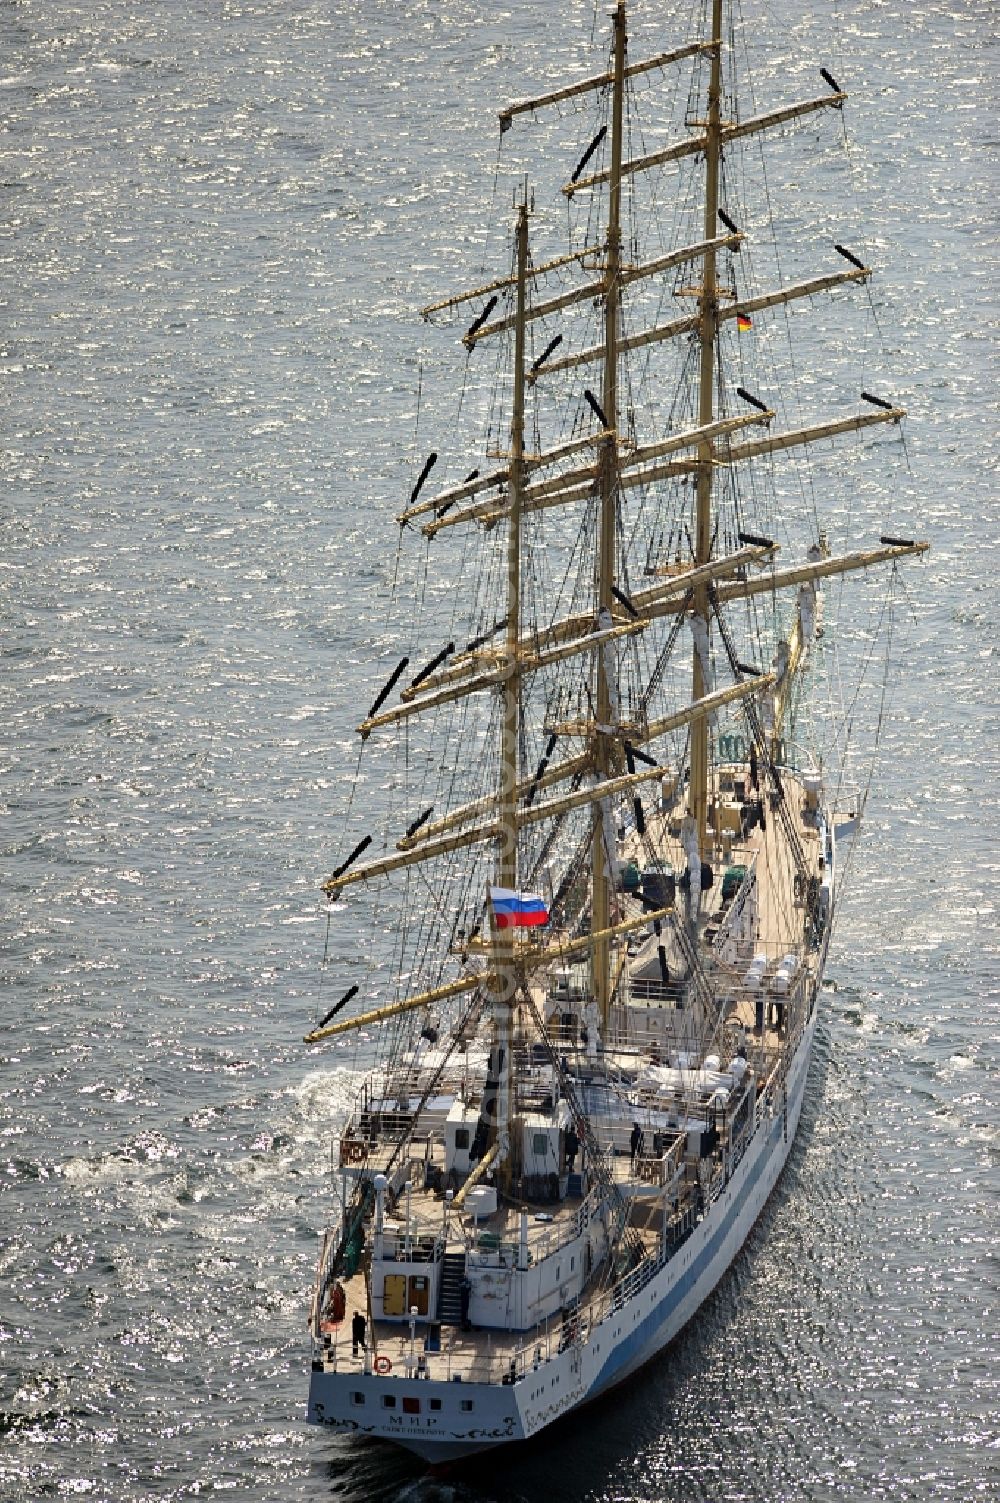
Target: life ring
x=383, y=1365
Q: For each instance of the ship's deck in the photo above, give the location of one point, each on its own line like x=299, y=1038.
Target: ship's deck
x=780, y=908
x=487, y=1354
x=481, y=1354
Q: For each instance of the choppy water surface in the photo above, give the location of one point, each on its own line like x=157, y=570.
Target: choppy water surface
x=218, y=224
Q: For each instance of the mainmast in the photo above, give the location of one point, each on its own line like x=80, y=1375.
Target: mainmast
x=708, y=325
x=602, y=874
x=505, y=975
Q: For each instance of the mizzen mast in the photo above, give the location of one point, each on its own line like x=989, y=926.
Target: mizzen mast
x=504, y=981
x=708, y=324
x=602, y=875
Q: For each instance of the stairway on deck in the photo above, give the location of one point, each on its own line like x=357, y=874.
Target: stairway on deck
x=449, y=1309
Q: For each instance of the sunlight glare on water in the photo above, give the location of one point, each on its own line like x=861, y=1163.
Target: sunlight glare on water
x=220, y=224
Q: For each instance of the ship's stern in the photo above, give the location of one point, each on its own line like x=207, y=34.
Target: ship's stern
x=437, y=1420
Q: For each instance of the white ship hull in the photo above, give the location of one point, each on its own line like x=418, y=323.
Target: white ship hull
x=475, y=1417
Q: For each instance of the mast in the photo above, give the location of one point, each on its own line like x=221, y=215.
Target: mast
x=708, y=323
x=602, y=875
x=505, y=973
x=610, y=467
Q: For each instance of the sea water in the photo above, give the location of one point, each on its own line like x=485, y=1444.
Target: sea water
x=219, y=224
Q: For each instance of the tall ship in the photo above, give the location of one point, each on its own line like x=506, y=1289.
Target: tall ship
x=621, y=803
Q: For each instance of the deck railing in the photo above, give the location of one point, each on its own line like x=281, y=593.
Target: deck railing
x=661, y=1169
x=324, y=1268
x=489, y=1249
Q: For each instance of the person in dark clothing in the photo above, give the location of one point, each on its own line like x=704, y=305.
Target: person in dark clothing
x=466, y=1300
x=358, y=1324
x=572, y=1148
x=635, y=1142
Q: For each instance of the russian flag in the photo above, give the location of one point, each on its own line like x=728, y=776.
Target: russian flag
x=517, y=910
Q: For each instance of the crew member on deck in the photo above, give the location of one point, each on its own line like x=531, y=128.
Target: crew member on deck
x=358, y=1324
x=635, y=1143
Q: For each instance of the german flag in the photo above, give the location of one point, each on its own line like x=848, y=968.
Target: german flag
x=743, y=322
